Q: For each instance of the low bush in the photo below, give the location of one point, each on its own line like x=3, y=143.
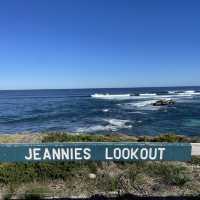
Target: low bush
x=195, y=160
x=65, y=137
x=22, y=173
x=106, y=183
x=170, y=138
x=171, y=173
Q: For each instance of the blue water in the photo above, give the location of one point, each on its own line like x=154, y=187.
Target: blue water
x=77, y=111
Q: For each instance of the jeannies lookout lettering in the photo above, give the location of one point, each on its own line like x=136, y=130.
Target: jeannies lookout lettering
x=58, y=154
x=86, y=153
x=103, y=151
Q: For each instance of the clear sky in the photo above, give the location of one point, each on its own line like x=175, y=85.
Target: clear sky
x=99, y=43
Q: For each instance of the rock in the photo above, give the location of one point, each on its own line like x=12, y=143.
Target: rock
x=164, y=102
x=92, y=176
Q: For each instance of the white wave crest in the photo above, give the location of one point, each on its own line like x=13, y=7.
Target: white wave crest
x=122, y=96
x=138, y=112
x=189, y=93
x=118, y=122
x=172, y=92
x=96, y=128
x=114, y=125
x=148, y=94
x=111, y=96
x=144, y=103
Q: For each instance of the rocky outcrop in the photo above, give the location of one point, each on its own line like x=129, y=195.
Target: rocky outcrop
x=164, y=102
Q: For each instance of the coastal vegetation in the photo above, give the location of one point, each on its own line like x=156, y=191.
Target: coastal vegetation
x=63, y=137
x=85, y=179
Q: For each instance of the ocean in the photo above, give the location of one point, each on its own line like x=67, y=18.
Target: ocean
x=101, y=111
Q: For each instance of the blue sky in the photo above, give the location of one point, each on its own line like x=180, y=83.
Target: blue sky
x=99, y=43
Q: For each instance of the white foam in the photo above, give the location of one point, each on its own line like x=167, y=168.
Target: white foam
x=117, y=122
x=183, y=94
x=172, y=92
x=188, y=93
x=138, y=112
x=144, y=103
x=111, y=96
x=166, y=97
x=114, y=125
x=105, y=110
x=96, y=128
x=122, y=96
x=148, y=94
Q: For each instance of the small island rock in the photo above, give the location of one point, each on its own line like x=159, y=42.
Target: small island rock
x=164, y=102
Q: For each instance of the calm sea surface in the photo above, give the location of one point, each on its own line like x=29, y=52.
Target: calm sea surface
x=126, y=111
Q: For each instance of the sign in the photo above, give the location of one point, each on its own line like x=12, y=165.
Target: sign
x=97, y=151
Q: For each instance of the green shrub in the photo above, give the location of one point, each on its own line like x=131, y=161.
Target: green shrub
x=133, y=172
x=23, y=173
x=92, y=167
x=171, y=173
x=195, y=160
x=65, y=137
x=12, y=173
x=106, y=183
x=170, y=138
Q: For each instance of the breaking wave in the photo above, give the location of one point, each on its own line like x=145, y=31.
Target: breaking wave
x=123, y=96
x=111, y=96
x=96, y=128
x=106, y=110
x=187, y=93
x=148, y=94
x=118, y=123
x=144, y=103
x=113, y=125
x=171, y=94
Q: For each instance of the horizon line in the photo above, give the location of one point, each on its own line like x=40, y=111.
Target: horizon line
x=90, y=88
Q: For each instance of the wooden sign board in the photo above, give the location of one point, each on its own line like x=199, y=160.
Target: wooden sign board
x=105, y=151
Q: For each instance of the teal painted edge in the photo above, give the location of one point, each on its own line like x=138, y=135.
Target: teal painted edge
x=96, y=151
